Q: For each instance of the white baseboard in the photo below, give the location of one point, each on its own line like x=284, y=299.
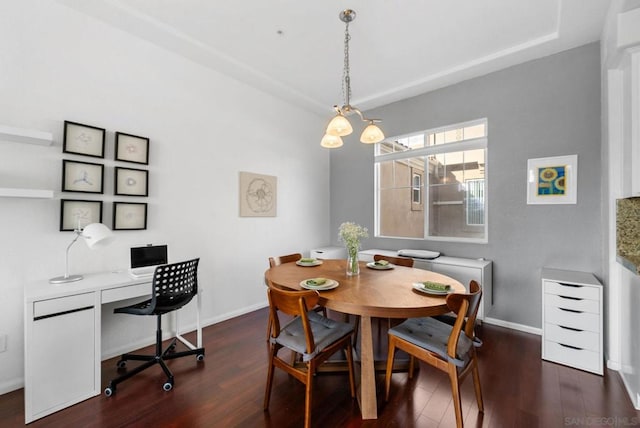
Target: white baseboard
x=513, y=326
x=614, y=365
x=631, y=392
x=11, y=385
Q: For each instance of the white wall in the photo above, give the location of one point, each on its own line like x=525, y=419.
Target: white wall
x=622, y=287
x=57, y=64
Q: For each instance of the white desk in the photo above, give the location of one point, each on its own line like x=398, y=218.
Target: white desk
x=62, y=344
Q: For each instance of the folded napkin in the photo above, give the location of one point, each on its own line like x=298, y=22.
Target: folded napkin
x=436, y=286
x=316, y=281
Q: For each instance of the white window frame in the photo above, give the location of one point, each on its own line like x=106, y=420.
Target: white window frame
x=458, y=146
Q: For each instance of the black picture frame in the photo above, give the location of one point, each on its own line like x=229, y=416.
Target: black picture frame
x=82, y=177
x=131, y=182
x=77, y=213
x=132, y=148
x=85, y=140
x=129, y=216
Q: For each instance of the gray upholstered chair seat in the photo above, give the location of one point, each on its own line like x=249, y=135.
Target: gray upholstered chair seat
x=325, y=332
x=433, y=335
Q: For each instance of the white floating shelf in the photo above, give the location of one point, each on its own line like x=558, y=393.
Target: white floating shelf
x=20, y=135
x=26, y=193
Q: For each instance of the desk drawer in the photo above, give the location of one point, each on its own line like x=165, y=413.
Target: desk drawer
x=62, y=305
x=573, y=303
x=570, y=290
x=569, y=318
x=126, y=292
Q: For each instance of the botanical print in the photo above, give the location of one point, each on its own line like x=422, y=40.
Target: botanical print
x=257, y=195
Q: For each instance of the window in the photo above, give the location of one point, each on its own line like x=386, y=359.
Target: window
x=431, y=184
x=416, y=190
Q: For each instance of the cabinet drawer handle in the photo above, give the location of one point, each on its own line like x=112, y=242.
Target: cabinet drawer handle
x=564, y=284
x=57, y=314
x=570, y=298
x=571, y=347
x=569, y=328
x=570, y=310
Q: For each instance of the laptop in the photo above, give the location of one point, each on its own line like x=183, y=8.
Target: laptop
x=144, y=260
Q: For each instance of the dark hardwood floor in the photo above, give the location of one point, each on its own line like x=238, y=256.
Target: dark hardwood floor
x=227, y=390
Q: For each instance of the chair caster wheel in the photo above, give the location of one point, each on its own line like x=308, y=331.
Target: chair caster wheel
x=168, y=386
x=109, y=391
x=200, y=357
x=121, y=364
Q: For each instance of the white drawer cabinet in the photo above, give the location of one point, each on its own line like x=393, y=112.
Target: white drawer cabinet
x=572, y=319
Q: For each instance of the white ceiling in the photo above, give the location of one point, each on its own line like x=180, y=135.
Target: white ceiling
x=399, y=48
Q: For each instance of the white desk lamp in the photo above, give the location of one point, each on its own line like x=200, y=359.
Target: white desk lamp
x=95, y=235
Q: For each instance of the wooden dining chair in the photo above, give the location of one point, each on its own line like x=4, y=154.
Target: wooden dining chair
x=309, y=334
x=451, y=349
x=399, y=261
x=289, y=258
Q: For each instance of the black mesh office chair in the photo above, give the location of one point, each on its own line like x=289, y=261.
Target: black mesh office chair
x=173, y=286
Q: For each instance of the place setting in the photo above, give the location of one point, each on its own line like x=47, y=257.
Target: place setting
x=380, y=265
x=309, y=262
x=433, y=288
x=319, y=284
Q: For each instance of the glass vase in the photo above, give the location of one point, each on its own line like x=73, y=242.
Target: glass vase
x=353, y=268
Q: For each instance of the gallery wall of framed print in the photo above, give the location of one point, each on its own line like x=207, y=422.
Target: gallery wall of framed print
x=84, y=140
x=76, y=214
x=552, y=180
x=85, y=177
x=257, y=195
x=131, y=148
x=129, y=216
x=131, y=182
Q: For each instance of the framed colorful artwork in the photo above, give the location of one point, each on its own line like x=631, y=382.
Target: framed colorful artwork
x=552, y=180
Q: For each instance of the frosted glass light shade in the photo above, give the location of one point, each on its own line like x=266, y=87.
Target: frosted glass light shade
x=339, y=126
x=331, y=141
x=371, y=134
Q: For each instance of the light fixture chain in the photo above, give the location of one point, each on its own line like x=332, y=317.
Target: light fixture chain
x=346, y=79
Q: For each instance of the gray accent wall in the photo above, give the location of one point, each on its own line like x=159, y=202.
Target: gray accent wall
x=547, y=107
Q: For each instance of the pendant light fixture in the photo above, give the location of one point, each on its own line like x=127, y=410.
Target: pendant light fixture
x=340, y=126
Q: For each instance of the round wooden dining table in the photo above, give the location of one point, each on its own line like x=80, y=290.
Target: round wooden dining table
x=373, y=293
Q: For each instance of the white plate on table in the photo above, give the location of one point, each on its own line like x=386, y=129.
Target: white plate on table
x=421, y=288
x=328, y=285
x=307, y=264
x=373, y=265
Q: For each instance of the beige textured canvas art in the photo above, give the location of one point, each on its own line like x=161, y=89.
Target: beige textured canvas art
x=257, y=195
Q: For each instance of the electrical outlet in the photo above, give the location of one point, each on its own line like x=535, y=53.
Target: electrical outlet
x=3, y=342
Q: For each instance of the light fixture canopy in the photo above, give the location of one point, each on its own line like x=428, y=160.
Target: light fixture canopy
x=95, y=235
x=340, y=126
